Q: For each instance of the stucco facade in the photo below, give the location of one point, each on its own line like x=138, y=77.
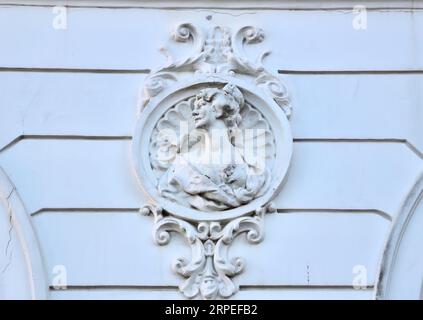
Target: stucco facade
x=76, y=96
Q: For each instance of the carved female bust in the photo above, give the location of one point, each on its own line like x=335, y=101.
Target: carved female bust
x=208, y=168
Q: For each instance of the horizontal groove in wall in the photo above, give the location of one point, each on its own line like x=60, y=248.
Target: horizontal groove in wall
x=292, y=5
x=116, y=287
x=360, y=140
x=303, y=287
x=367, y=140
x=279, y=210
x=147, y=71
x=83, y=210
x=381, y=213
x=73, y=70
x=73, y=137
x=296, y=140
x=62, y=137
x=352, y=72
x=172, y=288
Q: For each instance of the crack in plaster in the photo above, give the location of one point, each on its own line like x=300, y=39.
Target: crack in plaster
x=232, y=14
x=9, y=209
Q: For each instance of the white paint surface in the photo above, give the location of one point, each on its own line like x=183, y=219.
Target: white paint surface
x=67, y=114
x=125, y=38
x=327, y=247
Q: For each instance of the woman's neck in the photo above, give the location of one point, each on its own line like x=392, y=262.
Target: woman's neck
x=218, y=137
x=217, y=125
x=214, y=146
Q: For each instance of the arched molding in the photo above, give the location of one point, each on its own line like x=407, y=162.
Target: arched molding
x=401, y=268
x=23, y=239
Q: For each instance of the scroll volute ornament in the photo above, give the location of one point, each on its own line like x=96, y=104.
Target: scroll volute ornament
x=218, y=52
x=211, y=148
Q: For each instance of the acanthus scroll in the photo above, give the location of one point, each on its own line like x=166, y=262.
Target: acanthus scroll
x=209, y=270
x=218, y=51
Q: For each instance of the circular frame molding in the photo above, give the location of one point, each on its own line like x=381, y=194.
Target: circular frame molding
x=155, y=109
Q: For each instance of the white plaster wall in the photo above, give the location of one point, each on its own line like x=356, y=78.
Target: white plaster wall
x=68, y=107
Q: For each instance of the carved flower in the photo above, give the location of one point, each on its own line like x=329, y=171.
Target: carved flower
x=154, y=85
x=182, y=33
x=253, y=35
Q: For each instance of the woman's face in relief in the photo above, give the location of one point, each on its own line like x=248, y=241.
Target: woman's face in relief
x=203, y=113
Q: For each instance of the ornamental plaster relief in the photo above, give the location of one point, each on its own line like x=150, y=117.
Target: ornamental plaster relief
x=219, y=145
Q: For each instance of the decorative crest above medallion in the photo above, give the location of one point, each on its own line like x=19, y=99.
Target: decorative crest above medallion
x=211, y=149
x=218, y=52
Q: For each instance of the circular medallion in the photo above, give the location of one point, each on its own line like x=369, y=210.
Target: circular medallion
x=211, y=150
